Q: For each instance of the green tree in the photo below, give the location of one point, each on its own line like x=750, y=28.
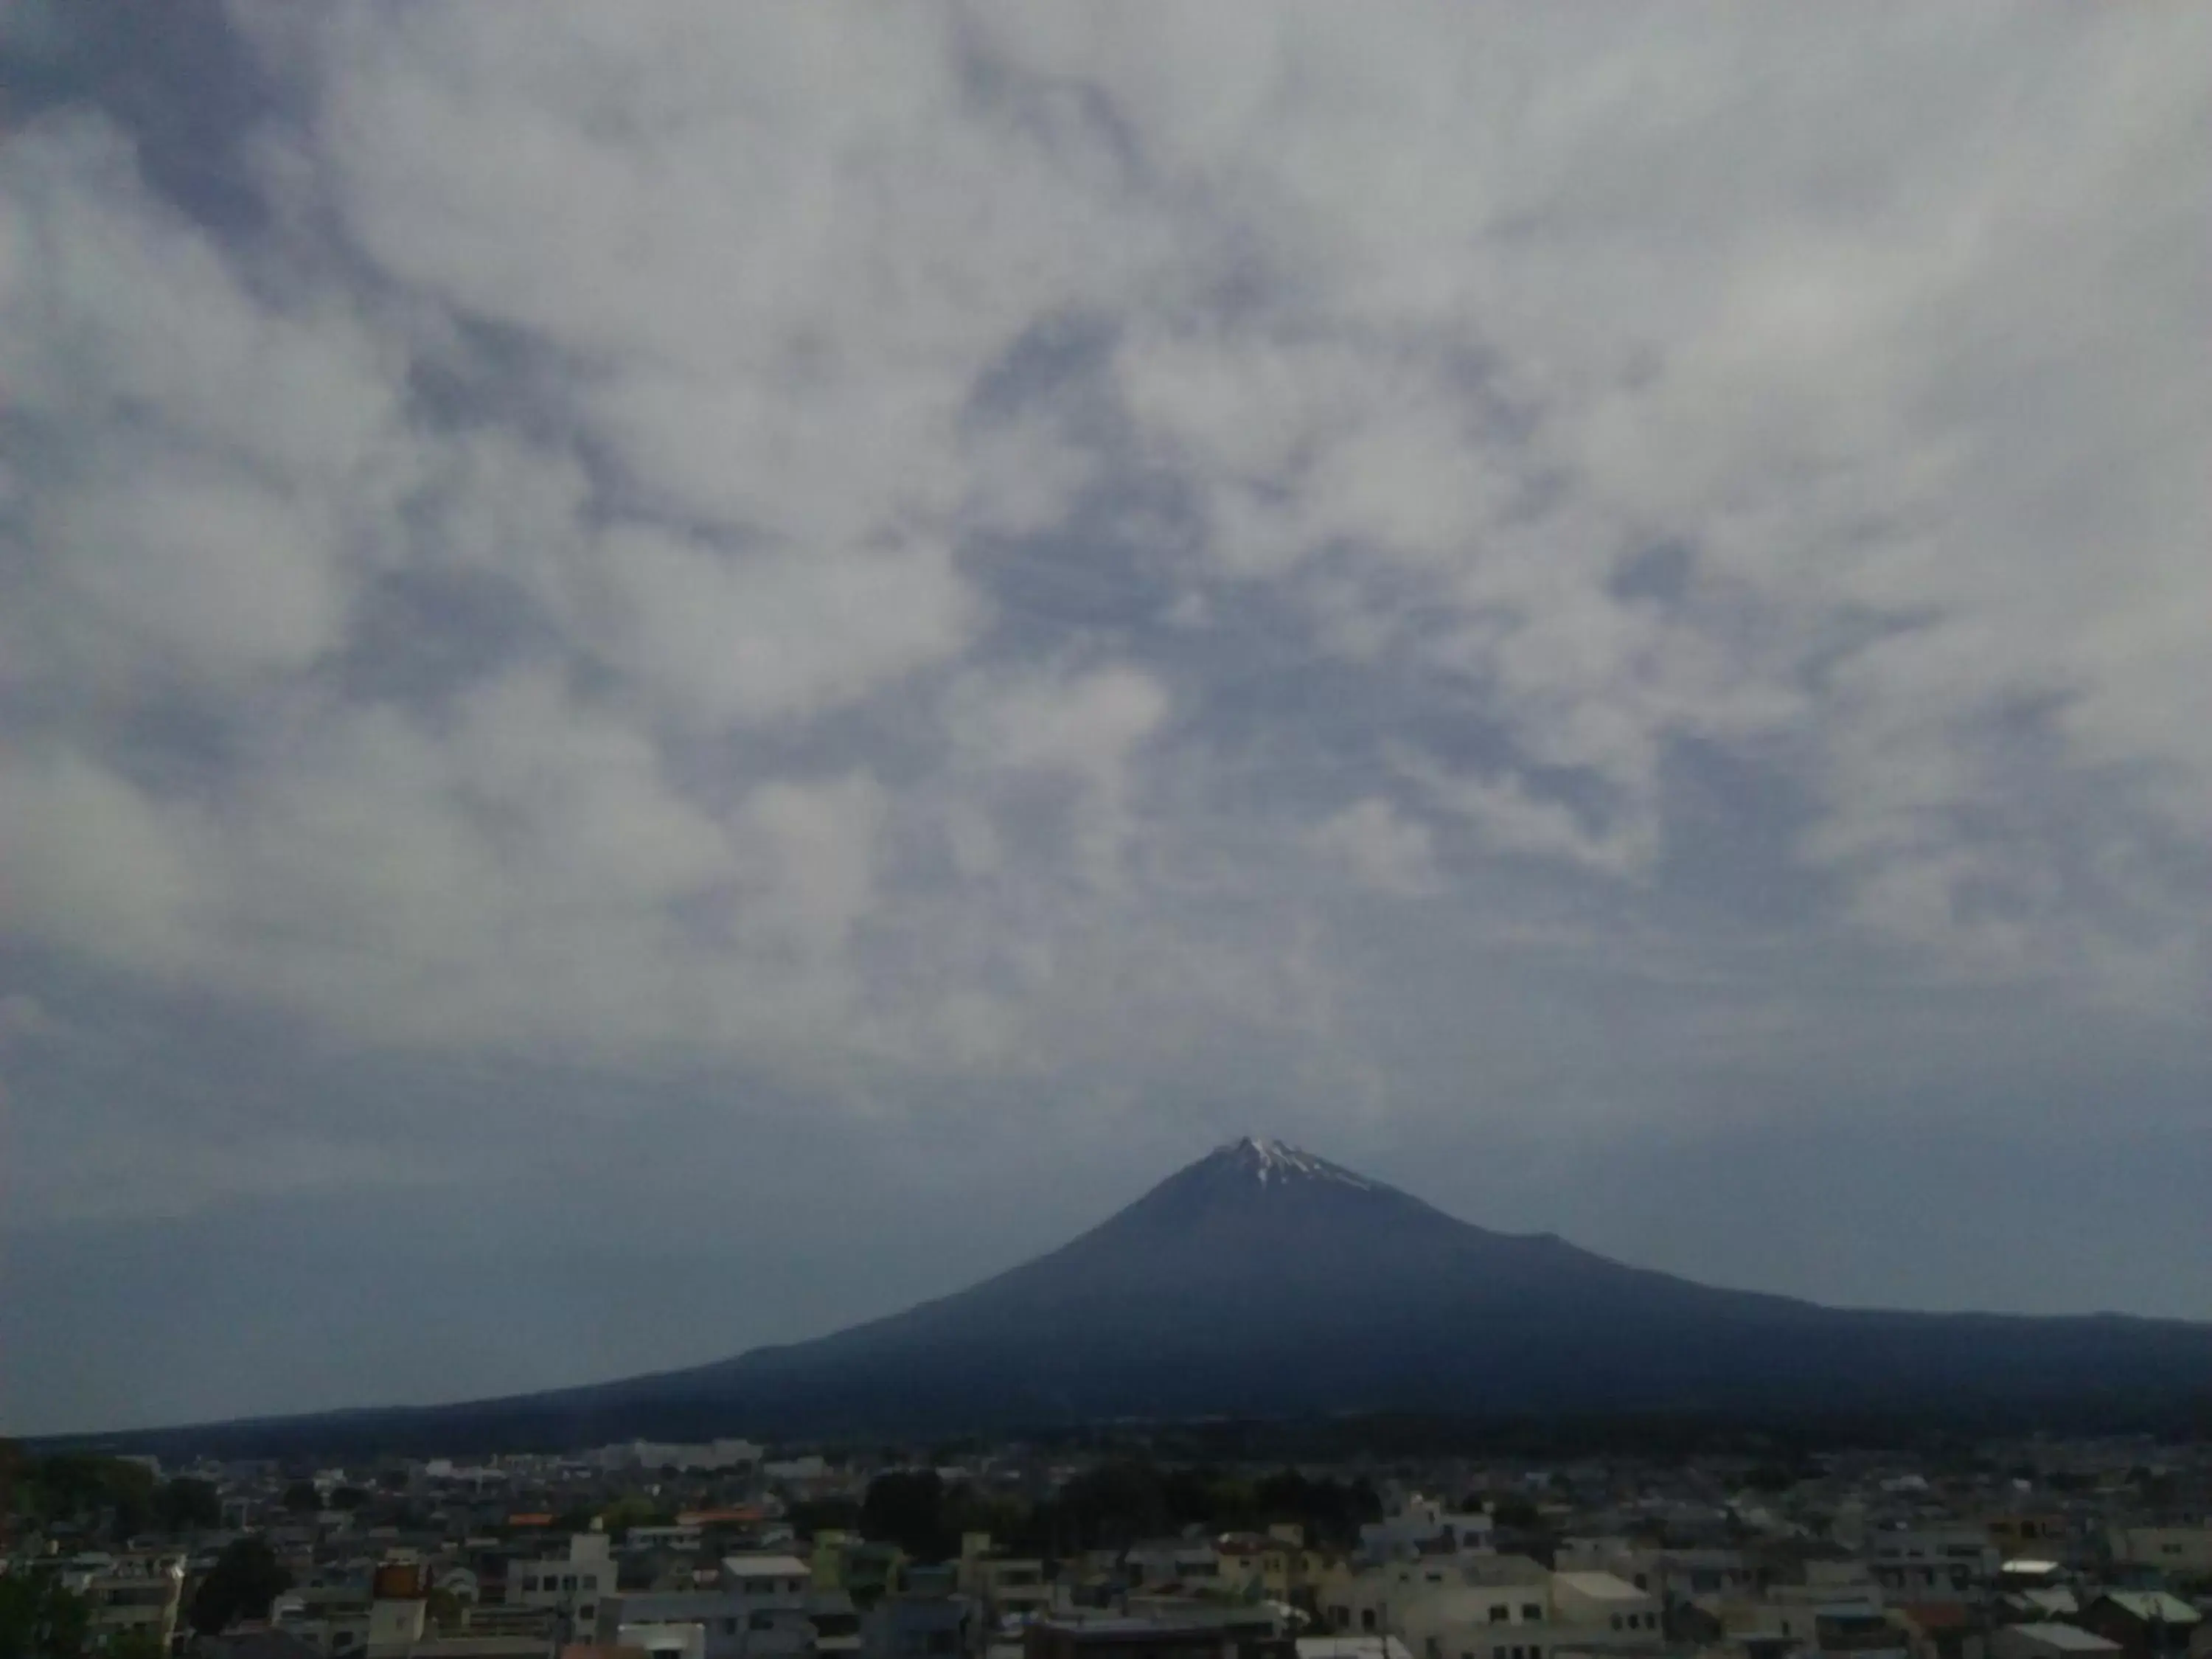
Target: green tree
x=128, y=1490
x=906, y=1507
x=1113, y=1505
x=300, y=1498
x=184, y=1502
x=135, y=1643
x=631, y=1510
x=348, y=1498
x=820, y=1514
x=245, y=1579
x=443, y=1611
x=13, y=1465
x=967, y=1510
x=40, y=1620
x=1516, y=1515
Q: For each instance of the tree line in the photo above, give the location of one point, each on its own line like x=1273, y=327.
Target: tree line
x=1120, y=1502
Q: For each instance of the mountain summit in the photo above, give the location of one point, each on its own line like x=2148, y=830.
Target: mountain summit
x=1264, y=1280
x=1268, y=1162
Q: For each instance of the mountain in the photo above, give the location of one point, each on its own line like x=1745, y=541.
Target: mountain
x=1263, y=1281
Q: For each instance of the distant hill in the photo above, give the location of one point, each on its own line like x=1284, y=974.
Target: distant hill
x=1264, y=1282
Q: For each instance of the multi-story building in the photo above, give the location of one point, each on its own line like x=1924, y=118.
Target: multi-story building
x=1274, y=1565
x=572, y=1586
x=139, y=1596
x=1929, y=1563
x=2185, y=1552
x=1422, y=1525
x=758, y=1609
x=1006, y=1586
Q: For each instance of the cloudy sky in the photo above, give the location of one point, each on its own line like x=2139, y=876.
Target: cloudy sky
x=672, y=674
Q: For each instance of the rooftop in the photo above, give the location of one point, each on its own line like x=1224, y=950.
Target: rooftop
x=1599, y=1586
x=2071, y=1638
x=2154, y=1606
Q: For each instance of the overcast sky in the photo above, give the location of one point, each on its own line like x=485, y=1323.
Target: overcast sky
x=670, y=674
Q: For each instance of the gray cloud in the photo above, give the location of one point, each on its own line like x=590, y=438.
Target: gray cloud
x=1501, y=594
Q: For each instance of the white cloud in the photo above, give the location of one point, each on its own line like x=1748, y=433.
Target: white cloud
x=1508, y=817
x=90, y=866
x=1381, y=846
x=552, y=581
x=1087, y=727
x=734, y=636
x=209, y=469
x=819, y=856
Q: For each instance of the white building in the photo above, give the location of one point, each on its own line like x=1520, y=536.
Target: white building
x=1422, y=1525
x=1160, y=1562
x=1493, y=1607
x=571, y=1585
x=1948, y=1559
x=665, y=1640
x=762, y=1581
x=140, y=1597
x=1604, y=1603
x=2186, y=1551
x=758, y=1609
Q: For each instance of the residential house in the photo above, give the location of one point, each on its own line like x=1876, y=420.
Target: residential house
x=1932, y=1562
x=334, y=1617
x=836, y=1623
x=2146, y=1623
x=2041, y=1603
x=522, y=1625
x=1434, y=1602
x=396, y=1626
x=1166, y=1563
x=1421, y=1525
x=1217, y=1632
x=1674, y=1576
x=677, y=1540
x=1752, y=1622
x=909, y=1626
x=1604, y=1602
x=2183, y=1553
x=1273, y=1566
x=2049, y=1642
x=1940, y=1630
x=1489, y=1621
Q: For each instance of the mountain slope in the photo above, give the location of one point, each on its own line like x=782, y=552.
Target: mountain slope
x=1262, y=1280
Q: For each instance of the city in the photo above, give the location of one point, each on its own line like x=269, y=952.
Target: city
x=2044, y=1548
x=1105, y=829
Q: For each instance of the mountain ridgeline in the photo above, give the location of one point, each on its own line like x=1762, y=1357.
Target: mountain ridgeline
x=1264, y=1282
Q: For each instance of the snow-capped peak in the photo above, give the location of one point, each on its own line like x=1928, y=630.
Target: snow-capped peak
x=1272, y=1161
